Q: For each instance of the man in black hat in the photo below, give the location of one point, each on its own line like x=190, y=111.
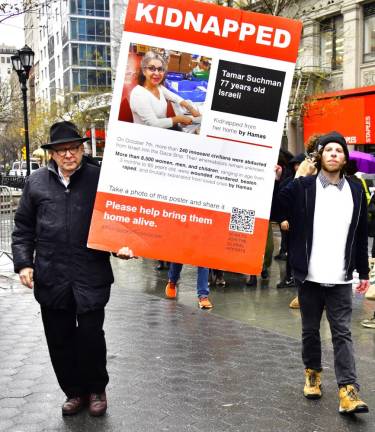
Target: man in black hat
x=327, y=215
x=71, y=282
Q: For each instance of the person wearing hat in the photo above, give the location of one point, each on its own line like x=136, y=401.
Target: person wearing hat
x=203, y=65
x=71, y=282
x=327, y=214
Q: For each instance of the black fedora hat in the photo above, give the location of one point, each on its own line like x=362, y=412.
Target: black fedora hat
x=63, y=132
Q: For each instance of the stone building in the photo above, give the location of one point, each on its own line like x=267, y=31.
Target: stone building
x=336, y=59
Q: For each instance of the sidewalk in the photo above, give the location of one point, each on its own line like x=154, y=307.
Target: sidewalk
x=174, y=367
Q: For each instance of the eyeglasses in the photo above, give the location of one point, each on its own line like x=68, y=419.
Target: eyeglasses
x=71, y=150
x=160, y=69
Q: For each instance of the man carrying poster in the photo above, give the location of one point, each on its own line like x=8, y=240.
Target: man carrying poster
x=71, y=282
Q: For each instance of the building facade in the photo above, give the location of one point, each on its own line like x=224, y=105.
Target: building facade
x=337, y=53
x=6, y=53
x=72, y=48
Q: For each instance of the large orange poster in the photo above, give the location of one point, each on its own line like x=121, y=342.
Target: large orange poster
x=194, y=133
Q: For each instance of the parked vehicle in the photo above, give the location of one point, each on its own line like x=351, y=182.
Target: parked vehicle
x=19, y=168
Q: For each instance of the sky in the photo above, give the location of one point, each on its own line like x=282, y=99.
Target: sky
x=11, y=32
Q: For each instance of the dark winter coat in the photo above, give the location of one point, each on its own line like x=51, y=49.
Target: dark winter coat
x=296, y=204
x=371, y=217
x=53, y=221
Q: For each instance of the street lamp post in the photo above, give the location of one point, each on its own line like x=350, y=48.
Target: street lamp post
x=22, y=63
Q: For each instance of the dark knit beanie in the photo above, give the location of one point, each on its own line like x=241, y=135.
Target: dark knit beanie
x=330, y=137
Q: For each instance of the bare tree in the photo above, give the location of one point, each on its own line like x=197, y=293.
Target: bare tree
x=13, y=8
x=5, y=101
x=10, y=120
x=272, y=7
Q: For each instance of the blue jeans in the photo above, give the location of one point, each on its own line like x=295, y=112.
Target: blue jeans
x=202, y=278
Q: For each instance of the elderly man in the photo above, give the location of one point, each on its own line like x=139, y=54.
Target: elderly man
x=71, y=282
x=327, y=215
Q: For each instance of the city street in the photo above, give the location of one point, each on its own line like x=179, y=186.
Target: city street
x=176, y=368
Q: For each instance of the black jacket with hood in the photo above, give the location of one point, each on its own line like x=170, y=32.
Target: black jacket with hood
x=51, y=229
x=296, y=204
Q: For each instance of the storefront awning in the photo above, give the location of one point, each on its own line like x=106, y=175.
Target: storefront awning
x=350, y=112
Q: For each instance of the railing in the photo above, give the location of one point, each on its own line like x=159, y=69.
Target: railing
x=17, y=182
x=6, y=220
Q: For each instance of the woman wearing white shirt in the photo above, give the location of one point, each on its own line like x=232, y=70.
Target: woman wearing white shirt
x=148, y=100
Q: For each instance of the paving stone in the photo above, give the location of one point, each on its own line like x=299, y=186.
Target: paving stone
x=6, y=425
x=172, y=368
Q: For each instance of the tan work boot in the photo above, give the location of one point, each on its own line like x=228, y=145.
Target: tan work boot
x=350, y=402
x=312, y=389
x=204, y=303
x=294, y=304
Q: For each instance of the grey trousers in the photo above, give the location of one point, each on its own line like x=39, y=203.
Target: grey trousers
x=337, y=300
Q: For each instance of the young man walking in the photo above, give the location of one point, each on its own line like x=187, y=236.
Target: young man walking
x=327, y=214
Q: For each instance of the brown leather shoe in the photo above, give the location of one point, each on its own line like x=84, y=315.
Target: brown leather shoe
x=73, y=405
x=98, y=404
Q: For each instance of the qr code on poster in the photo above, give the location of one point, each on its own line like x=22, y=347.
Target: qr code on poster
x=242, y=220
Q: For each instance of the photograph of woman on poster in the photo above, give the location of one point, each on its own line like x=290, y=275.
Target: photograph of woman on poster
x=149, y=99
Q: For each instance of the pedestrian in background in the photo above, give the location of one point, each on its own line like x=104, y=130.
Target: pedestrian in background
x=203, y=289
x=288, y=280
x=327, y=214
x=71, y=282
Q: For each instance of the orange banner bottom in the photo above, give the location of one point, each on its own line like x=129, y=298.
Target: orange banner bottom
x=176, y=233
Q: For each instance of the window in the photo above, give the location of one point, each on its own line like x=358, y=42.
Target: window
x=8, y=59
x=86, y=79
x=65, y=34
x=2, y=59
x=41, y=55
x=65, y=56
x=57, y=38
x=95, y=30
x=332, y=43
x=369, y=30
x=52, y=91
x=51, y=46
x=58, y=61
x=91, y=55
x=66, y=80
x=99, y=8
x=52, y=69
x=73, y=6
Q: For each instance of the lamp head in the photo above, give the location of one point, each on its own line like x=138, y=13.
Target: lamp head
x=26, y=55
x=16, y=63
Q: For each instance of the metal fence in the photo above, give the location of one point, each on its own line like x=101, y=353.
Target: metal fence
x=6, y=220
x=17, y=182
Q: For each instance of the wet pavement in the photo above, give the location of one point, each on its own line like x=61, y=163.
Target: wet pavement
x=176, y=368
